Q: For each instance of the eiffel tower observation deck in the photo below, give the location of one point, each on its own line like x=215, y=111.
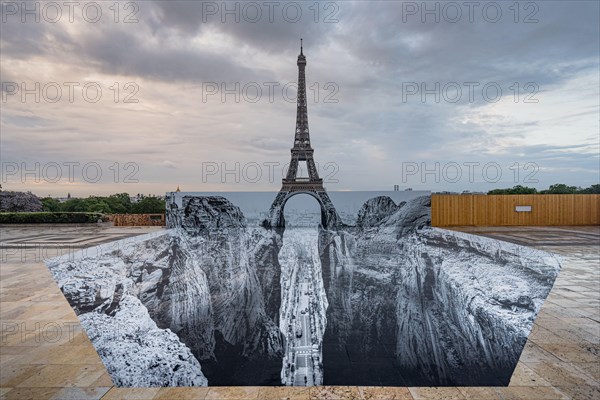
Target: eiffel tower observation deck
x=302, y=151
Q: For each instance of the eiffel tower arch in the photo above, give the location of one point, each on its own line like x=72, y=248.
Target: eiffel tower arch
x=302, y=151
x=329, y=216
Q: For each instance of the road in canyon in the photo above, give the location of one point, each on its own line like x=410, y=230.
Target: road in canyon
x=303, y=319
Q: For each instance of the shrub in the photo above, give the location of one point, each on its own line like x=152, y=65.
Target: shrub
x=50, y=218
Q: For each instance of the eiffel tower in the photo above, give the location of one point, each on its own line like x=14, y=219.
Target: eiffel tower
x=302, y=151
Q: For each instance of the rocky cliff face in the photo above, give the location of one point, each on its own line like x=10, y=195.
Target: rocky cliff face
x=375, y=210
x=413, y=305
x=212, y=281
x=477, y=303
x=140, y=353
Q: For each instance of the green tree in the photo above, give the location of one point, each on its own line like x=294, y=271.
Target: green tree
x=514, y=190
x=149, y=205
x=119, y=203
x=19, y=202
x=50, y=204
x=594, y=189
x=560, y=188
x=74, y=205
x=97, y=204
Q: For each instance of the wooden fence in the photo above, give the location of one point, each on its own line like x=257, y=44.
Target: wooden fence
x=526, y=209
x=137, y=219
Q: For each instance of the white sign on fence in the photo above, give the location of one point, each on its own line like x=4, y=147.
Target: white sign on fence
x=523, y=208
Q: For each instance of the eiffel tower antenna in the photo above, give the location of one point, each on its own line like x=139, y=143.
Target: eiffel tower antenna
x=302, y=138
x=302, y=151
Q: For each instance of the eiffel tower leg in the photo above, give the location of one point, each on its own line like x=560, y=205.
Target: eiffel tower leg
x=332, y=220
x=292, y=171
x=312, y=168
x=275, y=218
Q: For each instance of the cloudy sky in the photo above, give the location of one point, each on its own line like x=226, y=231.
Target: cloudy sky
x=400, y=93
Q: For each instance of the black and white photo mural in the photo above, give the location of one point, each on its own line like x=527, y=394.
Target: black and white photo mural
x=225, y=296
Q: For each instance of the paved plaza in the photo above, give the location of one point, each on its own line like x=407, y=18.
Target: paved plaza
x=44, y=353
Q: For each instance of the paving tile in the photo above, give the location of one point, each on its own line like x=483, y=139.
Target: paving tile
x=549, y=322
x=573, y=352
x=533, y=353
x=334, y=392
x=524, y=376
x=561, y=374
x=68, y=354
x=592, y=313
x=582, y=321
x=181, y=393
x=79, y=337
x=7, y=358
x=479, y=393
x=12, y=375
x=31, y=393
x=36, y=333
x=531, y=393
x=592, y=369
x=284, y=393
x=581, y=392
x=13, y=350
x=232, y=392
x=104, y=380
x=32, y=311
x=76, y=393
x=60, y=375
x=591, y=329
x=130, y=394
x=436, y=393
x=541, y=335
x=577, y=335
x=384, y=393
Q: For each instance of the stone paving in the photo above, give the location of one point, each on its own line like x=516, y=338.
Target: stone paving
x=44, y=354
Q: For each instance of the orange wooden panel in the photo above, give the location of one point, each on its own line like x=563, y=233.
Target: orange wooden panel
x=498, y=210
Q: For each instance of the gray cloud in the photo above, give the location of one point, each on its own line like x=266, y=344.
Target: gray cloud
x=369, y=54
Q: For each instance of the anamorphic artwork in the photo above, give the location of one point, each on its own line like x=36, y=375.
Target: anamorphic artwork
x=306, y=287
